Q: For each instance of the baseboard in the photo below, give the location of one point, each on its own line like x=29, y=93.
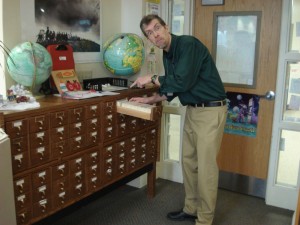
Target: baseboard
x=242, y=184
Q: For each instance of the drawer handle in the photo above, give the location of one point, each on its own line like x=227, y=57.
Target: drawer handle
x=42, y=194
x=41, y=123
x=94, y=158
x=62, y=197
x=78, y=130
x=18, y=144
x=78, y=115
x=43, y=206
x=23, y=217
x=79, y=190
x=60, y=118
x=61, y=147
x=109, y=161
x=42, y=155
x=93, y=111
x=22, y=201
x=19, y=162
x=78, y=165
x=62, y=186
x=41, y=138
x=20, y=186
x=78, y=176
x=61, y=172
x=42, y=179
x=108, y=172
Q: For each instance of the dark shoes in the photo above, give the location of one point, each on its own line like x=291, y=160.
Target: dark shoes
x=180, y=216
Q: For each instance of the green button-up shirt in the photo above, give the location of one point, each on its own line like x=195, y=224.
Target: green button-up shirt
x=190, y=72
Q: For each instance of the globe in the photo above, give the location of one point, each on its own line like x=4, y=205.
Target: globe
x=29, y=64
x=124, y=54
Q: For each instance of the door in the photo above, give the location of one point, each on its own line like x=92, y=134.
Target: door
x=176, y=13
x=243, y=155
x=283, y=178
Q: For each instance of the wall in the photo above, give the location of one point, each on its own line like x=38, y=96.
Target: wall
x=2, y=78
x=11, y=28
x=117, y=16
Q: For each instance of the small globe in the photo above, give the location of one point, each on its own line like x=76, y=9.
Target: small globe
x=29, y=64
x=124, y=54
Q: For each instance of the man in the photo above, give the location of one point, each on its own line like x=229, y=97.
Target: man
x=190, y=75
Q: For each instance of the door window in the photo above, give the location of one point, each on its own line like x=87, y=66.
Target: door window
x=289, y=156
x=291, y=109
x=173, y=116
x=294, y=42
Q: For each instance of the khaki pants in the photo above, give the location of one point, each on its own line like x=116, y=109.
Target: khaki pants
x=202, y=137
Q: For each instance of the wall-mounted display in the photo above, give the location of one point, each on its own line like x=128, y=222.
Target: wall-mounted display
x=235, y=47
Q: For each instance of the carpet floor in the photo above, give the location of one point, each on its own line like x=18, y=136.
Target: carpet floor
x=130, y=206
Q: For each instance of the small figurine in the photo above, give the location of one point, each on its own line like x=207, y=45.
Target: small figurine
x=10, y=95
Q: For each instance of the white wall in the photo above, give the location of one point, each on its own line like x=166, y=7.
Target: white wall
x=117, y=16
x=11, y=29
x=2, y=77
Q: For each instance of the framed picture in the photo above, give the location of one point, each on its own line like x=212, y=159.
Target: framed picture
x=235, y=47
x=77, y=23
x=212, y=2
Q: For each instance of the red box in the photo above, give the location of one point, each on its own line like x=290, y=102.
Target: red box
x=62, y=57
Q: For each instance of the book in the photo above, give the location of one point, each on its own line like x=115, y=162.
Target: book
x=66, y=80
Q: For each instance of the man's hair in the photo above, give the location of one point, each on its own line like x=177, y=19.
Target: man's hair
x=146, y=20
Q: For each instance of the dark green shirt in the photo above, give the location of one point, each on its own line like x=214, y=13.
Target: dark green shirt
x=190, y=73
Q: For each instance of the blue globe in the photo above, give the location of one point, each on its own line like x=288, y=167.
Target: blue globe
x=124, y=54
x=29, y=64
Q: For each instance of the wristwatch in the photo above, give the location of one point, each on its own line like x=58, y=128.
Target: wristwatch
x=153, y=79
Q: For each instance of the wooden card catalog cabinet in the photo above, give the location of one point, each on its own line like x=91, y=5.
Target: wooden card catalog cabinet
x=66, y=150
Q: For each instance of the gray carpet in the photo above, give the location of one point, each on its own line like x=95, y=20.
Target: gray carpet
x=130, y=206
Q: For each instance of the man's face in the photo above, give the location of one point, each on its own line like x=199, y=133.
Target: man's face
x=159, y=35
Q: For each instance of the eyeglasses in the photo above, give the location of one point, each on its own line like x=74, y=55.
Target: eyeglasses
x=156, y=29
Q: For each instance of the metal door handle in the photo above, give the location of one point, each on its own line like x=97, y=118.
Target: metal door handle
x=269, y=95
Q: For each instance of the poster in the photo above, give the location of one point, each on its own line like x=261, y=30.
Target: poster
x=242, y=117
x=152, y=7
x=77, y=23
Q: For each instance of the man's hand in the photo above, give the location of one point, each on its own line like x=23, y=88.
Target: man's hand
x=141, y=81
x=144, y=100
x=149, y=100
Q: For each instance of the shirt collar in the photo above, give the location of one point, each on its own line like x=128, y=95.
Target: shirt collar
x=171, y=51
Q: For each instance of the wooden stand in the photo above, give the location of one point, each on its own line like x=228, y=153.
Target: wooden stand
x=66, y=150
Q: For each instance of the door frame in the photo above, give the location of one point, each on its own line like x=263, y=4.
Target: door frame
x=170, y=169
x=279, y=195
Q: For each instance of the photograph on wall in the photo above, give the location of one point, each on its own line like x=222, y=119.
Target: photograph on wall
x=242, y=117
x=77, y=23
